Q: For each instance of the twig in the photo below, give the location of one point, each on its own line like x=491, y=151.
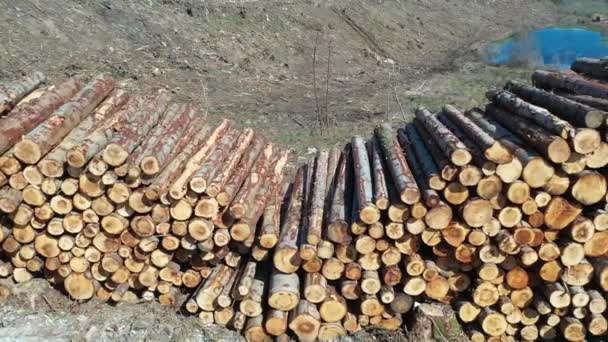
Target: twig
x=327, y=84
x=314, y=80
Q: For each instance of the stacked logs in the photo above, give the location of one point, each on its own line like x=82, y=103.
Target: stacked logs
x=499, y=212
x=128, y=197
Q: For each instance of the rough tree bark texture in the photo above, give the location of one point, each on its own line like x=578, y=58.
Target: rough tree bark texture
x=493, y=150
x=41, y=139
x=553, y=147
x=12, y=92
x=338, y=229
x=578, y=114
x=364, y=190
x=536, y=114
x=594, y=67
x=569, y=81
x=381, y=197
x=30, y=115
x=130, y=133
x=153, y=154
x=401, y=174
x=52, y=164
x=451, y=146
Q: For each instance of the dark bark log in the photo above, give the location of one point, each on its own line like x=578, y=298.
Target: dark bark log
x=381, y=197
x=540, y=116
x=593, y=67
x=569, y=81
x=317, y=203
x=338, y=229
x=578, y=114
x=553, y=147
x=493, y=149
x=428, y=167
x=452, y=147
x=402, y=177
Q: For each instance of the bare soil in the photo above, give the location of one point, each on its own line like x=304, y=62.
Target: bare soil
x=252, y=61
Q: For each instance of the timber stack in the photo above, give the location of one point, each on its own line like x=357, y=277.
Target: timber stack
x=499, y=211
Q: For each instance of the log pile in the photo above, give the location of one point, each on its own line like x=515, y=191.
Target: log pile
x=498, y=211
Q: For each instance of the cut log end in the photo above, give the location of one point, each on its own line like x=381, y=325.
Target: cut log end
x=114, y=155
x=558, y=151
x=461, y=157
x=28, y=152
x=149, y=166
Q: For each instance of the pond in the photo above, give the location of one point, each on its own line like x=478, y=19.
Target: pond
x=555, y=47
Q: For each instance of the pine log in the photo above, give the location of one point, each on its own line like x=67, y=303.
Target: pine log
x=26, y=117
x=402, y=177
x=553, y=147
x=451, y=146
x=493, y=150
x=13, y=91
x=155, y=151
x=594, y=102
x=448, y=171
x=52, y=164
x=179, y=187
x=536, y=171
x=338, y=228
x=305, y=320
x=589, y=188
x=213, y=161
x=231, y=188
x=429, y=168
x=317, y=204
x=569, y=81
x=286, y=256
x=539, y=115
x=39, y=141
x=578, y=114
x=129, y=134
x=10, y=199
x=284, y=291
x=364, y=190
x=187, y=145
x=381, y=195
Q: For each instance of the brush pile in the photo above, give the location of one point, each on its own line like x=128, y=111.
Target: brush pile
x=499, y=212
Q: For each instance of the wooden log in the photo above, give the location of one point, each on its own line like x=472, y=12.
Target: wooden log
x=492, y=322
x=333, y=308
x=286, y=256
x=447, y=170
x=476, y=212
x=304, y=321
x=179, y=187
x=212, y=287
x=187, y=145
x=536, y=172
x=213, y=161
x=560, y=213
x=53, y=163
x=129, y=134
x=451, y=146
x=13, y=91
x=155, y=151
x=338, y=228
x=242, y=145
x=26, y=117
x=598, y=158
x=539, y=115
x=429, y=168
x=10, y=199
x=364, y=190
x=593, y=67
x=569, y=81
x=402, y=177
x=380, y=187
x=553, y=147
x=41, y=139
x=572, y=329
x=284, y=291
x=317, y=200
x=589, y=188
x=276, y=322
x=493, y=150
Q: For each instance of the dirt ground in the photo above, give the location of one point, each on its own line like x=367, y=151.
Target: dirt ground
x=280, y=66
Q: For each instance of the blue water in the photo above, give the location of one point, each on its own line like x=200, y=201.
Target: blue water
x=552, y=47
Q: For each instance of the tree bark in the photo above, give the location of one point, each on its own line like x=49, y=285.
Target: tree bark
x=13, y=91
x=553, y=147
x=569, y=81
x=53, y=163
x=578, y=114
x=593, y=67
x=449, y=144
x=402, y=177
x=286, y=258
x=493, y=150
x=179, y=187
x=338, y=229
x=234, y=184
x=213, y=162
x=539, y=115
x=136, y=125
x=368, y=212
x=26, y=117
